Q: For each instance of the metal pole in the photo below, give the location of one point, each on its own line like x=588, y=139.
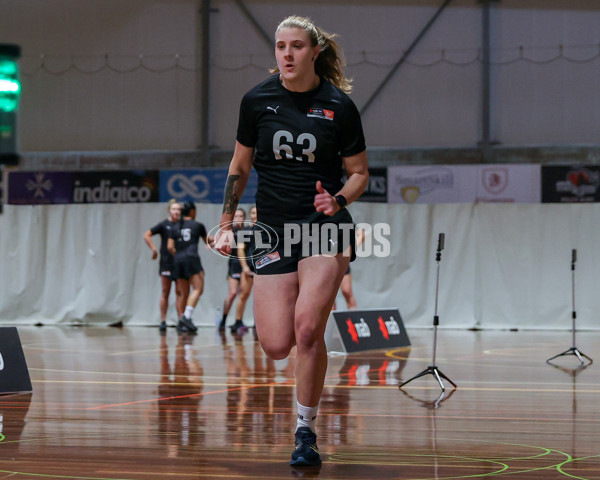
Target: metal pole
x=265, y=36
x=485, y=81
x=486, y=141
x=404, y=57
x=573, y=313
x=436, y=318
x=205, y=80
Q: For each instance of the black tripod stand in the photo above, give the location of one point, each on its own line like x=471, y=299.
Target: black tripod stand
x=433, y=369
x=573, y=350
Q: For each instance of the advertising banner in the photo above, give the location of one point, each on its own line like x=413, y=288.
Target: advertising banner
x=570, y=183
x=360, y=330
x=40, y=188
x=377, y=187
x=115, y=187
x=201, y=186
x=464, y=184
x=508, y=183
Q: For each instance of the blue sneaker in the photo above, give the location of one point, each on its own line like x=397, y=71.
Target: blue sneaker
x=307, y=452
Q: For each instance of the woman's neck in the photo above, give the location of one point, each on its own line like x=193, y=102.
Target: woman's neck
x=302, y=84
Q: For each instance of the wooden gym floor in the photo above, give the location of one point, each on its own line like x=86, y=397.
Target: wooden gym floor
x=128, y=403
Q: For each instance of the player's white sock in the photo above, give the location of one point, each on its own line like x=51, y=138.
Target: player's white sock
x=307, y=416
x=188, y=312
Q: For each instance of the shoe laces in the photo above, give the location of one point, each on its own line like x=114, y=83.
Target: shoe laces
x=306, y=436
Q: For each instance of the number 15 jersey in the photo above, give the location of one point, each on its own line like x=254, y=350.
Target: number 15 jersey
x=298, y=138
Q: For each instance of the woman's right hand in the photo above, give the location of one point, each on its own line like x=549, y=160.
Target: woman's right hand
x=224, y=241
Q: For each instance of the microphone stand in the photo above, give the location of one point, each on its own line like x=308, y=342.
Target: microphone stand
x=433, y=369
x=573, y=350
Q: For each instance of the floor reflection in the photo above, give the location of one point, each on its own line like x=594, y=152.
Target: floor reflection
x=13, y=411
x=179, y=390
x=260, y=391
x=362, y=370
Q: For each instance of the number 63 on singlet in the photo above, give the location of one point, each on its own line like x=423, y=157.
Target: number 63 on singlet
x=282, y=140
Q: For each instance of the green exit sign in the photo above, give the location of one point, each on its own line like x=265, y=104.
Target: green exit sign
x=10, y=86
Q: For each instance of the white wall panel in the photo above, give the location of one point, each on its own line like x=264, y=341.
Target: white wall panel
x=117, y=104
x=504, y=265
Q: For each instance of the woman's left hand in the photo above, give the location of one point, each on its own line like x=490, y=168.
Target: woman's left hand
x=324, y=202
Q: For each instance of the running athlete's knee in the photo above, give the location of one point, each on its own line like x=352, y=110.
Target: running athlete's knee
x=307, y=332
x=277, y=351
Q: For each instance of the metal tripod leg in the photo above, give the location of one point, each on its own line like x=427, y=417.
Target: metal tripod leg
x=575, y=352
x=431, y=370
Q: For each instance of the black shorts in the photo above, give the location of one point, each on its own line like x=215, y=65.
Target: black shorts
x=305, y=240
x=185, y=267
x=234, y=269
x=167, y=270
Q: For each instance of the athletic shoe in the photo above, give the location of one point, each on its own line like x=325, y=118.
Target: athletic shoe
x=187, y=322
x=163, y=326
x=238, y=326
x=307, y=452
x=222, y=326
x=181, y=328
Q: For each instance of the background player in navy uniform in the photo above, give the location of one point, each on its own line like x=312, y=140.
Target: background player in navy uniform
x=247, y=277
x=298, y=128
x=166, y=262
x=183, y=244
x=234, y=269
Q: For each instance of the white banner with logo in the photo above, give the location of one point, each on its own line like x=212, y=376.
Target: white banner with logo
x=464, y=183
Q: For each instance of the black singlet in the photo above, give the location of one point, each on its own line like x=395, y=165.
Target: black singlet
x=299, y=138
x=187, y=236
x=164, y=230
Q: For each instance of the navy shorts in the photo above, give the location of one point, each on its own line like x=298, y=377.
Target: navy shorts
x=302, y=241
x=186, y=267
x=167, y=270
x=234, y=269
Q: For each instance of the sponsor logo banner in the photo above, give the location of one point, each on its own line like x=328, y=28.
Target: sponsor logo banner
x=40, y=188
x=570, y=184
x=201, y=186
x=115, y=187
x=464, y=184
x=361, y=330
x=508, y=183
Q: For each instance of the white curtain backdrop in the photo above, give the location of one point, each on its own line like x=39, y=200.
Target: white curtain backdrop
x=504, y=265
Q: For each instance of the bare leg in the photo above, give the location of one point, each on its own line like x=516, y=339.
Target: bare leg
x=274, y=300
x=347, y=292
x=164, y=297
x=246, y=288
x=292, y=309
x=184, y=288
x=233, y=285
x=197, y=282
x=319, y=280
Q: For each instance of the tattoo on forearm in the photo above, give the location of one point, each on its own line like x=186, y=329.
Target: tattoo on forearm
x=231, y=194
